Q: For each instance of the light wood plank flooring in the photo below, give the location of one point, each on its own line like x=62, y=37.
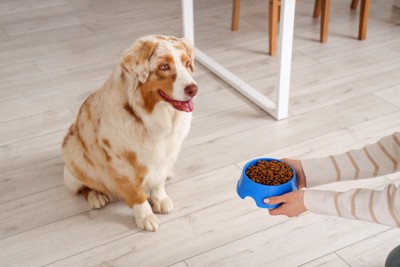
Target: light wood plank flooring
x=344, y=94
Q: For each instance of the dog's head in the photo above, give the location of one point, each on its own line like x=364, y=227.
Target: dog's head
x=160, y=68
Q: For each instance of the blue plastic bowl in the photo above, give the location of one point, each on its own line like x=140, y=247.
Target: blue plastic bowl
x=248, y=188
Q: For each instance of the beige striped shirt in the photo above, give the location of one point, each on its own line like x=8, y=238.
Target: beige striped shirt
x=379, y=206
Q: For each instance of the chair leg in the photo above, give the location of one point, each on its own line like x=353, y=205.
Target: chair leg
x=317, y=9
x=279, y=10
x=363, y=24
x=354, y=4
x=325, y=7
x=273, y=26
x=235, y=15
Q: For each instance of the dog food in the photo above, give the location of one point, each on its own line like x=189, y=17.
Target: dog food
x=270, y=172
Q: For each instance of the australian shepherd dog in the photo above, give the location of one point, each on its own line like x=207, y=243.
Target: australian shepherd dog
x=127, y=134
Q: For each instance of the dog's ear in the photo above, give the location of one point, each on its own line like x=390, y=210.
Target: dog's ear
x=190, y=52
x=136, y=59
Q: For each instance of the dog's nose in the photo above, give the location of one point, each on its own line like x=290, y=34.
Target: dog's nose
x=191, y=90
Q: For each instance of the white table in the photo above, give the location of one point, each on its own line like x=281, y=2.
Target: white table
x=278, y=108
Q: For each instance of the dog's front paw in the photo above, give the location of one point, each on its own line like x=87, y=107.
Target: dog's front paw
x=164, y=206
x=149, y=223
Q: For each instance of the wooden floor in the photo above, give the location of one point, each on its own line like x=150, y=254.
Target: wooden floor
x=344, y=94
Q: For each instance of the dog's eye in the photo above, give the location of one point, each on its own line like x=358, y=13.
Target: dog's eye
x=187, y=64
x=164, y=67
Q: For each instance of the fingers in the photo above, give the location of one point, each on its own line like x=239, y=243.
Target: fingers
x=292, y=204
x=301, y=177
x=276, y=211
x=288, y=161
x=275, y=200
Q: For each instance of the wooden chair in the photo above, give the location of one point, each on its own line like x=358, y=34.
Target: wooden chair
x=364, y=13
x=273, y=18
x=320, y=6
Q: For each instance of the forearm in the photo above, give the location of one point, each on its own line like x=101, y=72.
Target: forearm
x=381, y=207
x=373, y=160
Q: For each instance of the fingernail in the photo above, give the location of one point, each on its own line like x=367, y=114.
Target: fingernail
x=266, y=201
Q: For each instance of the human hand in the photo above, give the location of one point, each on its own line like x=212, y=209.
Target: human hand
x=292, y=204
x=298, y=168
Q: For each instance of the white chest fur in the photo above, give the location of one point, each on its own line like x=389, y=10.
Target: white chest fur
x=166, y=129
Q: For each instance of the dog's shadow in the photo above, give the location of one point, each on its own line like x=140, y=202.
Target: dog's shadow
x=115, y=213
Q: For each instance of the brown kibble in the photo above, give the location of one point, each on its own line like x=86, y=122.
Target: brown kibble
x=270, y=172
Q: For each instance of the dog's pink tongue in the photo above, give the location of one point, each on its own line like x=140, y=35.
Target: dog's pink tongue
x=186, y=106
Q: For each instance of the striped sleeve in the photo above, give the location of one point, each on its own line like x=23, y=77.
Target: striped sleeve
x=373, y=160
x=379, y=206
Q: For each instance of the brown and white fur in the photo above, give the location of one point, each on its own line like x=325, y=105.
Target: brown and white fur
x=128, y=133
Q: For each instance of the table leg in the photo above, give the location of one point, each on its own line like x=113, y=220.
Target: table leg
x=278, y=109
x=188, y=20
x=285, y=57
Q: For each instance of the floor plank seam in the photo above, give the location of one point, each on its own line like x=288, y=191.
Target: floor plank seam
x=130, y=234
x=243, y=237
x=26, y=166
x=344, y=260
x=189, y=177
x=35, y=136
x=42, y=225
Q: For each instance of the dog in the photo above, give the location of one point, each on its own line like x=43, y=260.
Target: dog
x=127, y=134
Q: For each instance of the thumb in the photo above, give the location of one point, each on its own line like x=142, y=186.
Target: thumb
x=275, y=200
